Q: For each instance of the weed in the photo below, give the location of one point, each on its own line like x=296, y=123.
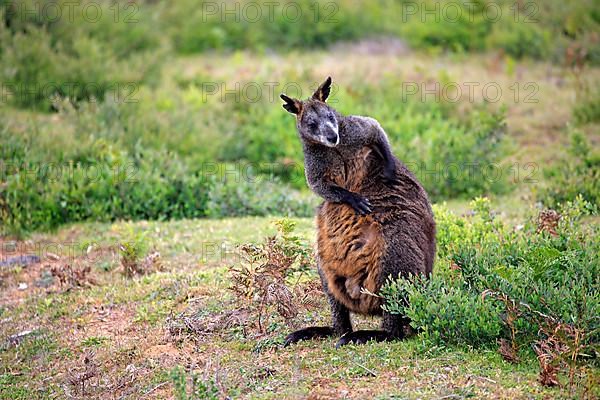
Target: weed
x=198, y=388
x=134, y=257
x=576, y=175
x=71, y=277
x=587, y=105
x=261, y=280
x=94, y=341
x=79, y=376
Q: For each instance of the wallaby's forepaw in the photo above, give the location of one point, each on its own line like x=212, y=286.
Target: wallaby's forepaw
x=390, y=178
x=360, y=204
x=362, y=337
x=312, y=332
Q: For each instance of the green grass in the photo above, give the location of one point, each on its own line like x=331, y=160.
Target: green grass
x=94, y=341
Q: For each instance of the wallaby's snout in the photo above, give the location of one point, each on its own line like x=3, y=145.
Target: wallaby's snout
x=333, y=139
x=329, y=136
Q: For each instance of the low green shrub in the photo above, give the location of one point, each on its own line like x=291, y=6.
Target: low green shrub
x=109, y=162
x=447, y=25
x=33, y=199
x=527, y=286
x=265, y=196
x=518, y=38
x=445, y=313
x=259, y=25
x=268, y=141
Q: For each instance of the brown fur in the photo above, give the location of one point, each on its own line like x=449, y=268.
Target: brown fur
x=351, y=246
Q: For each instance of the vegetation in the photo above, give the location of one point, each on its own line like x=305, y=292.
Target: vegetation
x=144, y=155
x=192, y=303
x=111, y=161
x=587, y=108
x=148, y=144
x=537, y=285
x=576, y=174
x=69, y=51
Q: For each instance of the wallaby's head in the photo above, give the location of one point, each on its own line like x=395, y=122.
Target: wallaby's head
x=316, y=120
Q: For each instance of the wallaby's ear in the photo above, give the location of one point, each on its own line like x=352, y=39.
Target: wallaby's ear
x=322, y=92
x=291, y=105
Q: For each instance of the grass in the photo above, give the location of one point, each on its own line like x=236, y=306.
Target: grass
x=122, y=326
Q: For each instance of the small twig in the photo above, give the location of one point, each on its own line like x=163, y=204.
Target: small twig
x=503, y=297
x=154, y=388
x=366, y=291
x=485, y=379
x=366, y=369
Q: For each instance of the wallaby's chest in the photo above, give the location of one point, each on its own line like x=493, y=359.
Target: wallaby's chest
x=349, y=171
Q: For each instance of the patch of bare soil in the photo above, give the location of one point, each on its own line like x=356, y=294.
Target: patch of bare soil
x=124, y=362
x=30, y=269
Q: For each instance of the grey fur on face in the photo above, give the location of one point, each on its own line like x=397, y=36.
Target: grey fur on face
x=318, y=124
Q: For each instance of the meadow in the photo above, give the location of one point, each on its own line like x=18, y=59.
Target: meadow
x=157, y=232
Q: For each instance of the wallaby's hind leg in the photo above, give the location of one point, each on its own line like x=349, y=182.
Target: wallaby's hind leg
x=340, y=316
x=400, y=260
x=312, y=332
x=397, y=325
x=341, y=323
x=393, y=328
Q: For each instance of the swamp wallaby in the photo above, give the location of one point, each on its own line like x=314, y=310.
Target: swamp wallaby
x=376, y=221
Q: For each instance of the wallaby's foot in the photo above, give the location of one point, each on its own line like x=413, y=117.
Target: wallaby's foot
x=313, y=332
x=360, y=204
x=362, y=337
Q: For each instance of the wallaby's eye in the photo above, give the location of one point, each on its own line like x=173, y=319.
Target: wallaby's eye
x=312, y=126
x=332, y=118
